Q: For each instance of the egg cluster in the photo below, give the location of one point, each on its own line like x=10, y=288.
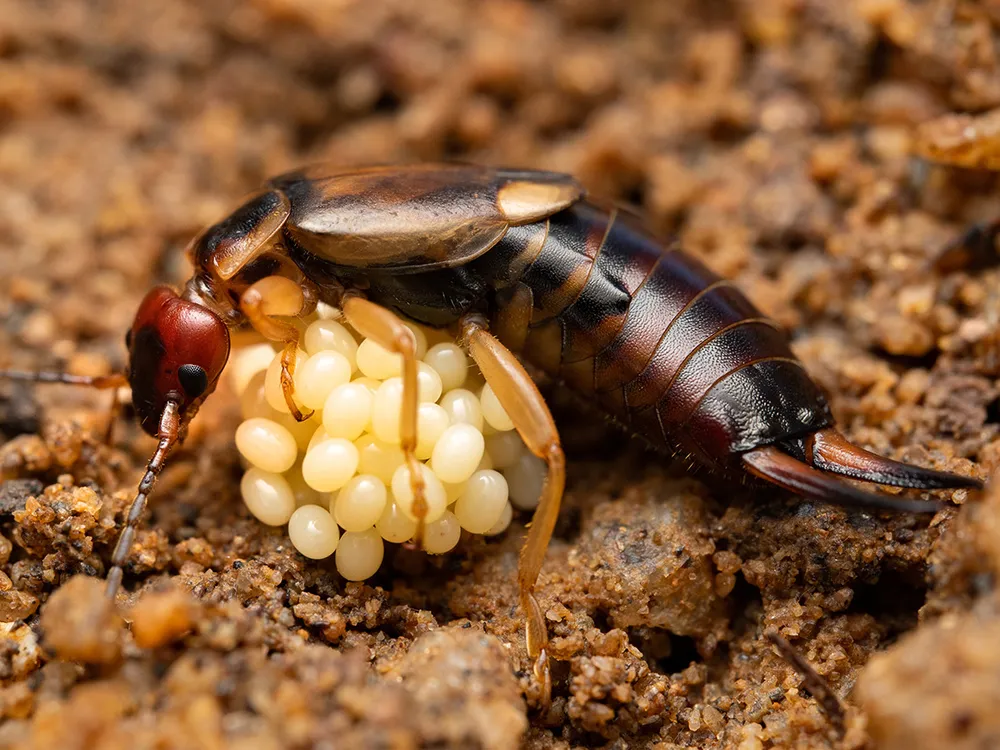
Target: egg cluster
x=338, y=479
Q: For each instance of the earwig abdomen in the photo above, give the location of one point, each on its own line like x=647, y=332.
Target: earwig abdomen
x=668, y=349
x=671, y=351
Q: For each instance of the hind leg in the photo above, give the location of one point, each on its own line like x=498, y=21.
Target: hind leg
x=520, y=397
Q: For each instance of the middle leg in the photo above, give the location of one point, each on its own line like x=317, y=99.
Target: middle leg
x=388, y=331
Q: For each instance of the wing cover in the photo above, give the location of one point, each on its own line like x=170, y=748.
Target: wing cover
x=415, y=218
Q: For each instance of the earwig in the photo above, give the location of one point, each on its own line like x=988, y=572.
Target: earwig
x=519, y=264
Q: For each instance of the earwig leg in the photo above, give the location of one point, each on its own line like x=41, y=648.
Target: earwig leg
x=976, y=249
x=168, y=433
x=771, y=464
x=288, y=382
x=828, y=450
x=519, y=395
x=388, y=331
x=114, y=409
x=264, y=302
x=812, y=680
x=100, y=382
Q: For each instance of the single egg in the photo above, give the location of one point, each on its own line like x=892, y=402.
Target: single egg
x=377, y=362
x=394, y=525
x=329, y=464
x=378, y=457
x=359, y=554
x=451, y=364
x=428, y=383
x=313, y=532
x=347, y=411
x=524, y=480
x=266, y=444
x=457, y=453
x=268, y=496
x=442, y=535
x=360, y=503
x=329, y=335
x=434, y=495
x=483, y=502
x=505, y=448
x=494, y=414
x=386, y=410
x=463, y=407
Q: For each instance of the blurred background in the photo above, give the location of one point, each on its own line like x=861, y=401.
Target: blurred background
x=773, y=136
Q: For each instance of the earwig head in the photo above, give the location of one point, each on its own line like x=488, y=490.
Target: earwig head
x=177, y=351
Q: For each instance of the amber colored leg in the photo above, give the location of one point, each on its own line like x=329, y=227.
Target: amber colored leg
x=519, y=395
x=263, y=303
x=387, y=330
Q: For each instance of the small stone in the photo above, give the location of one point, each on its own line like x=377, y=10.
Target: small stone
x=162, y=617
x=16, y=605
x=14, y=493
x=903, y=336
x=79, y=623
x=466, y=670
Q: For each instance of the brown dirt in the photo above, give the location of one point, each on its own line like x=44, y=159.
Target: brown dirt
x=773, y=136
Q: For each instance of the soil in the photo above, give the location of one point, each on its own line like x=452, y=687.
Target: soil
x=774, y=137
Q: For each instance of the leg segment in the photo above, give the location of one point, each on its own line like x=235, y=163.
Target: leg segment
x=264, y=302
x=519, y=395
x=976, y=249
x=113, y=411
x=388, y=331
x=100, y=382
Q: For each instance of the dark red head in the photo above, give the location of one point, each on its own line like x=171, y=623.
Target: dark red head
x=177, y=351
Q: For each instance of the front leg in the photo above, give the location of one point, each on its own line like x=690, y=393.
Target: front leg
x=264, y=303
x=388, y=331
x=98, y=382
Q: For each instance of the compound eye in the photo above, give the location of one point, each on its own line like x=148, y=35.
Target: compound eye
x=128, y=339
x=193, y=379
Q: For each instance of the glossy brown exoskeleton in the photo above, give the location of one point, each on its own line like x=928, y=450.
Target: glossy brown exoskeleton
x=518, y=263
